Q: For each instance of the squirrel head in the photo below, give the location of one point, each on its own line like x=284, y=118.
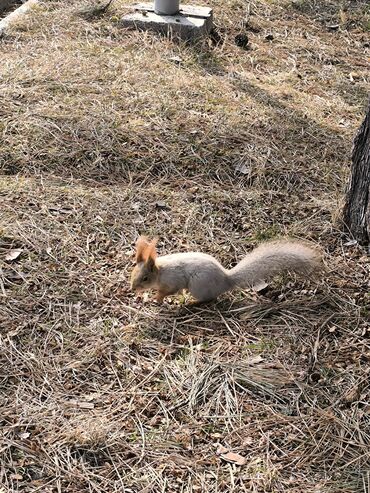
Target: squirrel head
x=145, y=273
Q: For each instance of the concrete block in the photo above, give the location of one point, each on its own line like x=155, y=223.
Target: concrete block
x=190, y=24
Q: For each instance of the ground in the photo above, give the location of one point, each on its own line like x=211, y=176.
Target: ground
x=107, y=133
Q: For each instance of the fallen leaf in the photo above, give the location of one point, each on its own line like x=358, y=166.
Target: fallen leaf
x=342, y=16
x=13, y=254
x=231, y=457
x=24, y=435
x=216, y=435
x=243, y=169
x=61, y=210
x=12, y=275
x=234, y=458
x=161, y=205
x=16, y=477
x=352, y=395
x=176, y=59
x=13, y=333
x=221, y=450
x=254, y=360
x=92, y=397
x=350, y=243
x=81, y=404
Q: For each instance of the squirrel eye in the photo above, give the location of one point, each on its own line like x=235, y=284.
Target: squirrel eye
x=145, y=278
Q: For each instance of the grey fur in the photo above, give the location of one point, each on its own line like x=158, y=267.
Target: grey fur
x=206, y=278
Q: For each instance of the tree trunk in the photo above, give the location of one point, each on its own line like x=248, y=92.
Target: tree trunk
x=356, y=214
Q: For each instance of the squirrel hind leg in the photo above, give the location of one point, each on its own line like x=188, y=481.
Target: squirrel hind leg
x=161, y=294
x=159, y=297
x=196, y=302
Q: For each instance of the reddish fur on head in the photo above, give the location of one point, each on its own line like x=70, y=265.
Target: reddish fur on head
x=145, y=272
x=145, y=249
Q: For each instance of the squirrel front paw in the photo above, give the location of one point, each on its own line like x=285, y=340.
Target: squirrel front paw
x=159, y=297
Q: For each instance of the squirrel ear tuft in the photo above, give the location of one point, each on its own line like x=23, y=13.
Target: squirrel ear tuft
x=141, y=247
x=150, y=253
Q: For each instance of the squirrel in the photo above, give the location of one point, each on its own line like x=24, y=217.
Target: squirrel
x=205, y=278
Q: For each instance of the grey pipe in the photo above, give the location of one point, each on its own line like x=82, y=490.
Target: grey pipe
x=166, y=7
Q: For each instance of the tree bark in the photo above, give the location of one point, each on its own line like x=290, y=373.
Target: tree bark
x=356, y=214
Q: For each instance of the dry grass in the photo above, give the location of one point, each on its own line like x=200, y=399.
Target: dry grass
x=103, y=392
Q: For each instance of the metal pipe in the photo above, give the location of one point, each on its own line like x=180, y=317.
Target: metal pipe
x=166, y=7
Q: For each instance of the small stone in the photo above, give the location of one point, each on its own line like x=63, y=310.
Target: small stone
x=161, y=205
x=176, y=59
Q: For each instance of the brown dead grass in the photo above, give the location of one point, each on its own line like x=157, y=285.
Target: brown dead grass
x=103, y=392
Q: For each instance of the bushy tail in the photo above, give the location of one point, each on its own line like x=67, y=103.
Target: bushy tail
x=273, y=258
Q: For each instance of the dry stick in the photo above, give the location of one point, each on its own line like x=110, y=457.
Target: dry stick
x=2, y=287
x=142, y=433
x=317, y=341
x=148, y=377
x=226, y=324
